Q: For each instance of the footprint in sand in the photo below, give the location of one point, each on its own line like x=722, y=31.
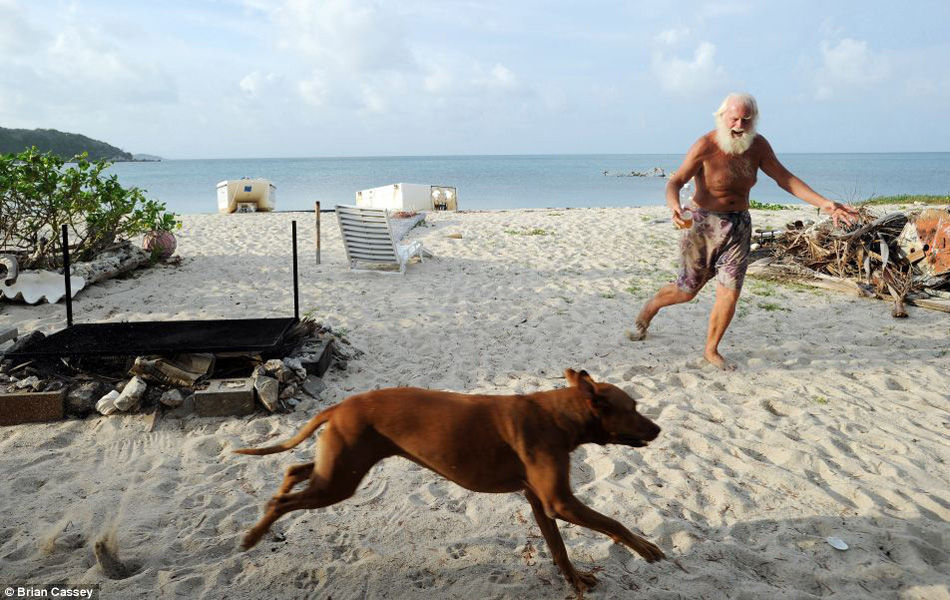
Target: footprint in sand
x=208, y=447
x=755, y=455
x=306, y=580
x=456, y=505
x=686, y=381
x=190, y=502
x=421, y=579
x=499, y=576
x=636, y=371
x=457, y=550
x=188, y=588
x=894, y=385
x=60, y=440
x=6, y=535
x=26, y=485
x=345, y=547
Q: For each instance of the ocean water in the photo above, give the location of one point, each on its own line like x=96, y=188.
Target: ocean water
x=500, y=182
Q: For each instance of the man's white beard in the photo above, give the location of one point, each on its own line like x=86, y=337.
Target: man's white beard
x=733, y=144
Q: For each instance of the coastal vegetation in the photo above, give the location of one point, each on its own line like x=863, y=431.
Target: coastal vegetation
x=62, y=144
x=907, y=199
x=535, y=231
x=39, y=194
x=767, y=206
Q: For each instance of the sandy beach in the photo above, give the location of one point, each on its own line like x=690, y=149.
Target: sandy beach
x=836, y=423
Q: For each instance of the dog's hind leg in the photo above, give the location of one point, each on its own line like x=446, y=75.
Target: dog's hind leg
x=295, y=475
x=579, y=580
x=335, y=475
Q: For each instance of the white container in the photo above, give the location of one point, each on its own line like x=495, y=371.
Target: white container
x=408, y=196
x=246, y=195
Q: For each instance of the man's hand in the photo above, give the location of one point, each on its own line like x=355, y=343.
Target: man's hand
x=841, y=212
x=678, y=219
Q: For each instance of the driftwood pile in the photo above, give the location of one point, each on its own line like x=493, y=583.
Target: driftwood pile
x=870, y=258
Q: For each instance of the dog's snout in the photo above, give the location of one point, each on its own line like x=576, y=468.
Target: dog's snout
x=652, y=430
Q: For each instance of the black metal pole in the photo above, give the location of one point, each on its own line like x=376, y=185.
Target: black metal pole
x=69, y=291
x=296, y=289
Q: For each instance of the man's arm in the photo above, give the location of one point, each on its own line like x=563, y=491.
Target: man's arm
x=801, y=190
x=691, y=165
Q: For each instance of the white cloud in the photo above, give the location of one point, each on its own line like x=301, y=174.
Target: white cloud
x=251, y=83
x=457, y=77
x=847, y=66
x=672, y=36
x=438, y=79
x=829, y=28
x=701, y=74
x=360, y=35
x=63, y=67
x=500, y=78
x=255, y=84
x=358, y=56
x=348, y=47
x=314, y=91
x=17, y=34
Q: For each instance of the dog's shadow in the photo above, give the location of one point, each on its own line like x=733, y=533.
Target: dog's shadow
x=790, y=557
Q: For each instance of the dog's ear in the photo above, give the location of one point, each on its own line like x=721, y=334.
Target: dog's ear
x=581, y=381
x=587, y=386
x=599, y=404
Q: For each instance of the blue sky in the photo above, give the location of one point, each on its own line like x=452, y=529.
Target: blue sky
x=276, y=78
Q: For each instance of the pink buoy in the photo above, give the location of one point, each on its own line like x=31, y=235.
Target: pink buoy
x=162, y=243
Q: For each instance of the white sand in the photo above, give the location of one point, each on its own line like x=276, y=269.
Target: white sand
x=836, y=424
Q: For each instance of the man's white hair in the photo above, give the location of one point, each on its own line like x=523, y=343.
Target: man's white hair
x=725, y=139
x=747, y=100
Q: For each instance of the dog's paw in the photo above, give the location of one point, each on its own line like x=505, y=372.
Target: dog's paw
x=650, y=551
x=582, y=581
x=250, y=540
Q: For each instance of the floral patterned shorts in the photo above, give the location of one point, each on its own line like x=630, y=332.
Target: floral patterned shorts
x=717, y=245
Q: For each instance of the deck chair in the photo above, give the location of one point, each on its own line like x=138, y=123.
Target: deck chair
x=368, y=237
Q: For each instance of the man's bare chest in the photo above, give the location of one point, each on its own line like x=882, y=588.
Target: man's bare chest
x=731, y=172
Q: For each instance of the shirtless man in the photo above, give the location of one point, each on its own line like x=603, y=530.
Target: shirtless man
x=724, y=163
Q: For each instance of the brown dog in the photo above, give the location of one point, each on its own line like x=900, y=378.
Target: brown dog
x=483, y=443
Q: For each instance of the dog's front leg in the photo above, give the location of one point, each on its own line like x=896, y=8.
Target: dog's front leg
x=579, y=580
x=549, y=478
x=573, y=510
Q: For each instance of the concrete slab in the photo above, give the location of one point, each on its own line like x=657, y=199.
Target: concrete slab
x=225, y=398
x=7, y=334
x=319, y=356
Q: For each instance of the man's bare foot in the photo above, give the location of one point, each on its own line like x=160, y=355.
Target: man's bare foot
x=717, y=360
x=638, y=332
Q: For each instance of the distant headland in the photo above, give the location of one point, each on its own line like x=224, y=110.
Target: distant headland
x=66, y=145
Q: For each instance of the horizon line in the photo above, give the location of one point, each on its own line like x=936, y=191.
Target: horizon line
x=357, y=156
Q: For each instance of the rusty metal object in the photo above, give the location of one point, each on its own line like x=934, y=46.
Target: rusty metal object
x=933, y=229
x=925, y=240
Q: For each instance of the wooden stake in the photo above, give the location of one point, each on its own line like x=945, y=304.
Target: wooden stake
x=316, y=211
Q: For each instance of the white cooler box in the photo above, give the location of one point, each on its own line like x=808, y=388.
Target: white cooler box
x=409, y=196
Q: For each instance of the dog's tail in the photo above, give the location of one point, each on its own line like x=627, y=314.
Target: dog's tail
x=307, y=430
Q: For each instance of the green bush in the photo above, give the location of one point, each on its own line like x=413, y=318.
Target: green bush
x=39, y=194
x=767, y=206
